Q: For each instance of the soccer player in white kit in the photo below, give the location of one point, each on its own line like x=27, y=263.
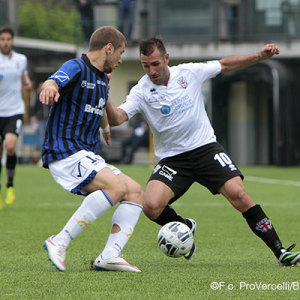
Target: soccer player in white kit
x=170, y=99
x=13, y=74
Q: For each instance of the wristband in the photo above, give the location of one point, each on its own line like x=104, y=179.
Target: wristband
x=106, y=129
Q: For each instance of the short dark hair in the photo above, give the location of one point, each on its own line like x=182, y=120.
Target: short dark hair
x=104, y=35
x=7, y=29
x=148, y=46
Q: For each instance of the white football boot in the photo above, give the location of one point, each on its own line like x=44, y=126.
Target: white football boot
x=56, y=253
x=114, y=264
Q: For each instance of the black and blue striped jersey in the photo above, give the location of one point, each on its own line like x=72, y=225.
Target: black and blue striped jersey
x=74, y=121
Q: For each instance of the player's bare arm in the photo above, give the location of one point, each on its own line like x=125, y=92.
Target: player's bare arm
x=105, y=129
x=115, y=116
x=49, y=92
x=27, y=83
x=232, y=63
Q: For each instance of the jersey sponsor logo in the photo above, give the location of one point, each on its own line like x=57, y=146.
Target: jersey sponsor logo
x=98, y=110
x=165, y=110
x=88, y=85
x=264, y=225
x=182, y=82
x=61, y=76
x=181, y=105
x=94, y=110
x=167, y=172
x=156, y=169
x=101, y=82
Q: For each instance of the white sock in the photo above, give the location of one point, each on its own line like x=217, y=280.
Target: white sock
x=92, y=207
x=126, y=217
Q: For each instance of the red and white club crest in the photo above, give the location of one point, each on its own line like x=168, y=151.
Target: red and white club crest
x=264, y=225
x=182, y=82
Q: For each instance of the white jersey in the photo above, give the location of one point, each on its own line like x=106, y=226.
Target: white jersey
x=175, y=113
x=12, y=70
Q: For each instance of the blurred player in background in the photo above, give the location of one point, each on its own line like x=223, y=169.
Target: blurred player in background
x=138, y=138
x=13, y=74
x=170, y=99
x=79, y=92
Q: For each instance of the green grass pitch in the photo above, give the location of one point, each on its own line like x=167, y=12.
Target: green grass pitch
x=231, y=262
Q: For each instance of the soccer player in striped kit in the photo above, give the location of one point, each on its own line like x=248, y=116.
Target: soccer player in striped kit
x=78, y=92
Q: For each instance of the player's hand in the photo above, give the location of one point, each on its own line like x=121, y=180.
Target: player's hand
x=268, y=51
x=106, y=137
x=48, y=95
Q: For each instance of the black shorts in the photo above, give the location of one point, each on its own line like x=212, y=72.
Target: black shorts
x=11, y=124
x=208, y=165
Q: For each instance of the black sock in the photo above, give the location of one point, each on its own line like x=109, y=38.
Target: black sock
x=261, y=225
x=10, y=168
x=170, y=215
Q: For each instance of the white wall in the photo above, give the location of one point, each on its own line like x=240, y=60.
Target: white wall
x=121, y=77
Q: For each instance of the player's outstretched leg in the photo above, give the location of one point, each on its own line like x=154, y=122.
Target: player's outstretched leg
x=93, y=206
x=169, y=215
x=288, y=258
x=262, y=226
x=56, y=253
x=124, y=221
x=193, y=226
x=114, y=264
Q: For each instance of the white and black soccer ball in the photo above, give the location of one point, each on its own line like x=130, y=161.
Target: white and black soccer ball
x=175, y=239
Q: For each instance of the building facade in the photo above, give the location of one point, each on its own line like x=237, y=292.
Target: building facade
x=255, y=112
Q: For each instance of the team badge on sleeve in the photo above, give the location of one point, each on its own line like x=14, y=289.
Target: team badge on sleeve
x=61, y=76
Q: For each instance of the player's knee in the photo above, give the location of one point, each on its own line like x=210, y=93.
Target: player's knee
x=152, y=209
x=241, y=200
x=10, y=150
x=240, y=195
x=117, y=192
x=135, y=194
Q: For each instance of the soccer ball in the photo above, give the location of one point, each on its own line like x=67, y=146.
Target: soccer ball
x=175, y=239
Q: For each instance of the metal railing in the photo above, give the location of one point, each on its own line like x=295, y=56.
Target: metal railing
x=194, y=21
x=215, y=20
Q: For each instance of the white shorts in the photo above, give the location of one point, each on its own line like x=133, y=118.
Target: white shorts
x=79, y=169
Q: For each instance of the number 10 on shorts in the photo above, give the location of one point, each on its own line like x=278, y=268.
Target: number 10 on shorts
x=224, y=161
